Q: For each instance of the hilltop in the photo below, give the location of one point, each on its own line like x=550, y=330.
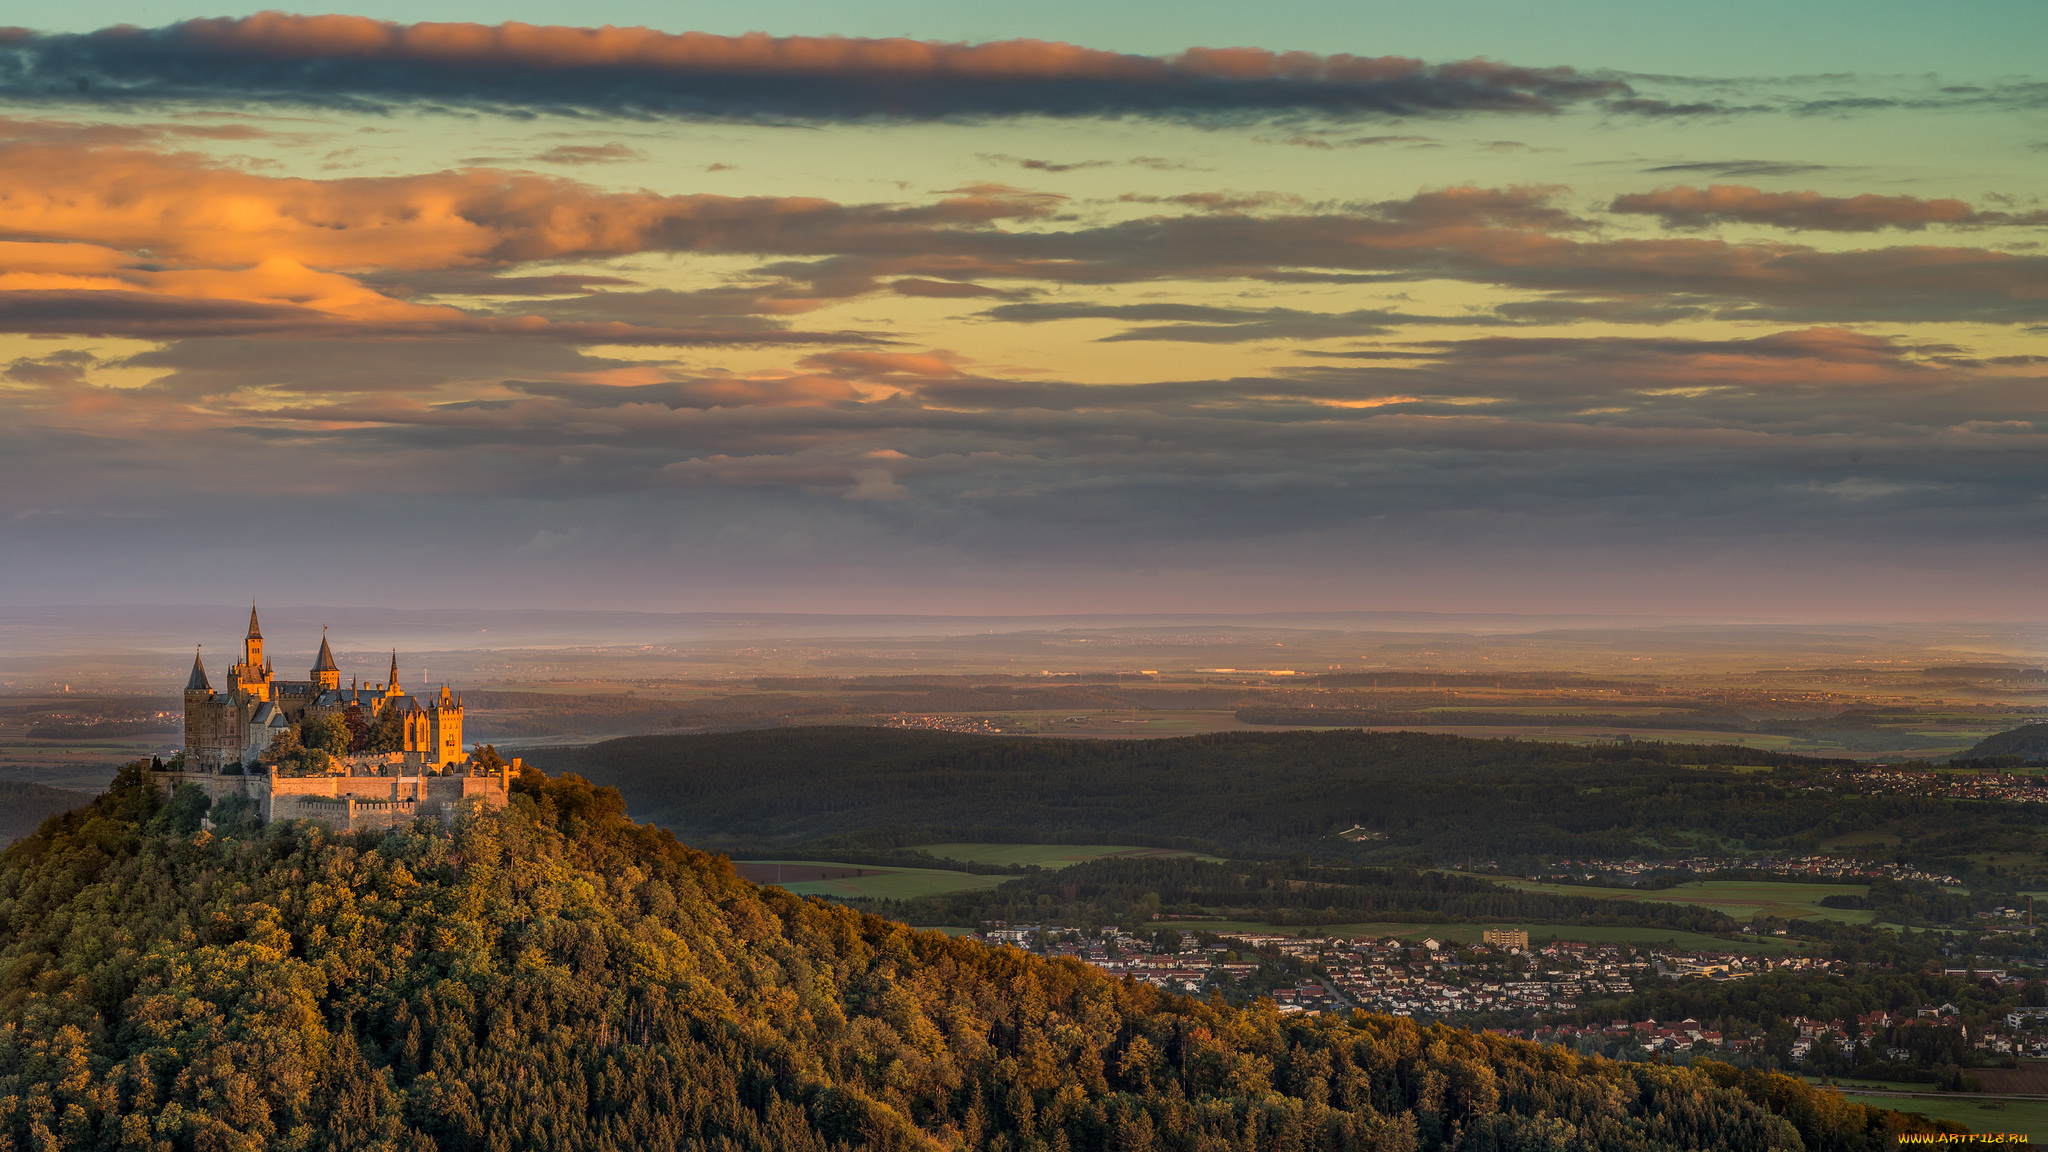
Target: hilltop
x=2029, y=741
x=553, y=975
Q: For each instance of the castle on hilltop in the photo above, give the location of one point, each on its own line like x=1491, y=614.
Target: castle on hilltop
x=232, y=737
x=238, y=724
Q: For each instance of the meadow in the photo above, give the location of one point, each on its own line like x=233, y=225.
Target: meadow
x=876, y=882
x=81, y=765
x=1741, y=899
x=1046, y=855
x=1470, y=933
x=1972, y=1110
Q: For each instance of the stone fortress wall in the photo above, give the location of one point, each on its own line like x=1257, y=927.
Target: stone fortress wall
x=355, y=799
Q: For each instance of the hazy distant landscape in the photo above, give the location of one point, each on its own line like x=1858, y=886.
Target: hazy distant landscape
x=81, y=691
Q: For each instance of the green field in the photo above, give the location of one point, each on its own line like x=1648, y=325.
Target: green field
x=1740, y=899
x=884, y=883
x=1126, y=724
x=1469, y=933
x=2029, y=1117
x=1044, y=855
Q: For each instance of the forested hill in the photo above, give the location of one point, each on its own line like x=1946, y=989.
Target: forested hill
x=1450, y=797
x=2029, y=741
x=555, y=977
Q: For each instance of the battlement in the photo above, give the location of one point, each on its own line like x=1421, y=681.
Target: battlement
x=349, y=803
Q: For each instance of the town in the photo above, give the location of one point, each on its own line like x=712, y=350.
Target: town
x=1987, y=785
x=1507, y=985
x=1592, y=868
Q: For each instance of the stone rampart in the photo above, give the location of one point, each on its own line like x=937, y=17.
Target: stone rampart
x=348, y=803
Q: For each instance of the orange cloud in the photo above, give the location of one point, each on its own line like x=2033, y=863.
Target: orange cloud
x=639, y=71
x=1686, y=207
x=859, y=365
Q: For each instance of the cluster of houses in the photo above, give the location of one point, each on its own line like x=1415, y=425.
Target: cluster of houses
x=1954, y=785
x=1429, y=978
x=2024, y=1033
x=1803, y=867
x=1433, y=979
x=976, y=725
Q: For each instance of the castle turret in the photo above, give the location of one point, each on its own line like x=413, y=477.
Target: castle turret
x=249, y=682
x=325, y=674
x=209, y=722
x=434, y=733
x=252, y=645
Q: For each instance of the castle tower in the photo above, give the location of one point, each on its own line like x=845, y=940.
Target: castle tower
x=250, y=681
x=391, y=687
x=434, y=734
x=252, y=645
x=325, y=675
x=446, y=715
x=209, y=722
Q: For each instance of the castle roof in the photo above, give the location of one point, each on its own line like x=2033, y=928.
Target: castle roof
x=197, y=682
x=342, y=697
x=326, y=661
x=255, y=633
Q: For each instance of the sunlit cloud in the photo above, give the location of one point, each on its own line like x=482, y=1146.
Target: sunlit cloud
x=347, y=61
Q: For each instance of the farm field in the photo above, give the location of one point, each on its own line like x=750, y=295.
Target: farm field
x=849, y=881
x=1045, y=855
x=1607, y=735
x=85, y=765
x=1198, y=721
x=1123, y=723
x=1738, y=898
x=1470, y=933
x=2027, y=1117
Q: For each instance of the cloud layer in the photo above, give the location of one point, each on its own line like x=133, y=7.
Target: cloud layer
x=358, y=62
x=475, y=348
x=1686, y=207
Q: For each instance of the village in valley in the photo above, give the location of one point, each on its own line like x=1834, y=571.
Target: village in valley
x=1508, y=985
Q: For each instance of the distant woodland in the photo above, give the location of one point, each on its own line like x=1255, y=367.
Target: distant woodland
x=1435, y=799
x=1287, y=893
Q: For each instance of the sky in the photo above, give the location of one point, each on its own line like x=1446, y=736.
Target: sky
x=907, y=307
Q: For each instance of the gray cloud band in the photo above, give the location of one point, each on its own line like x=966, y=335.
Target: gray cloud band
x=354, y=62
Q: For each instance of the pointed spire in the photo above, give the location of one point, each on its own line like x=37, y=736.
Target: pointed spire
x=197, y=682
x=255, y=633
x=393, y=682
x=326, y=661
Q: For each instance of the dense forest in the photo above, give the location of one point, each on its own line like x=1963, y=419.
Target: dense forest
x=1700, y=719
x=2027, y=742
x=1257, y=792
x=554, y=976
x=1130, y=890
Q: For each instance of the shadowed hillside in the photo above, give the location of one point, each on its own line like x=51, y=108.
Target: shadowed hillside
x=2028, y=740
x=1250, y=791
x=23, y=807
